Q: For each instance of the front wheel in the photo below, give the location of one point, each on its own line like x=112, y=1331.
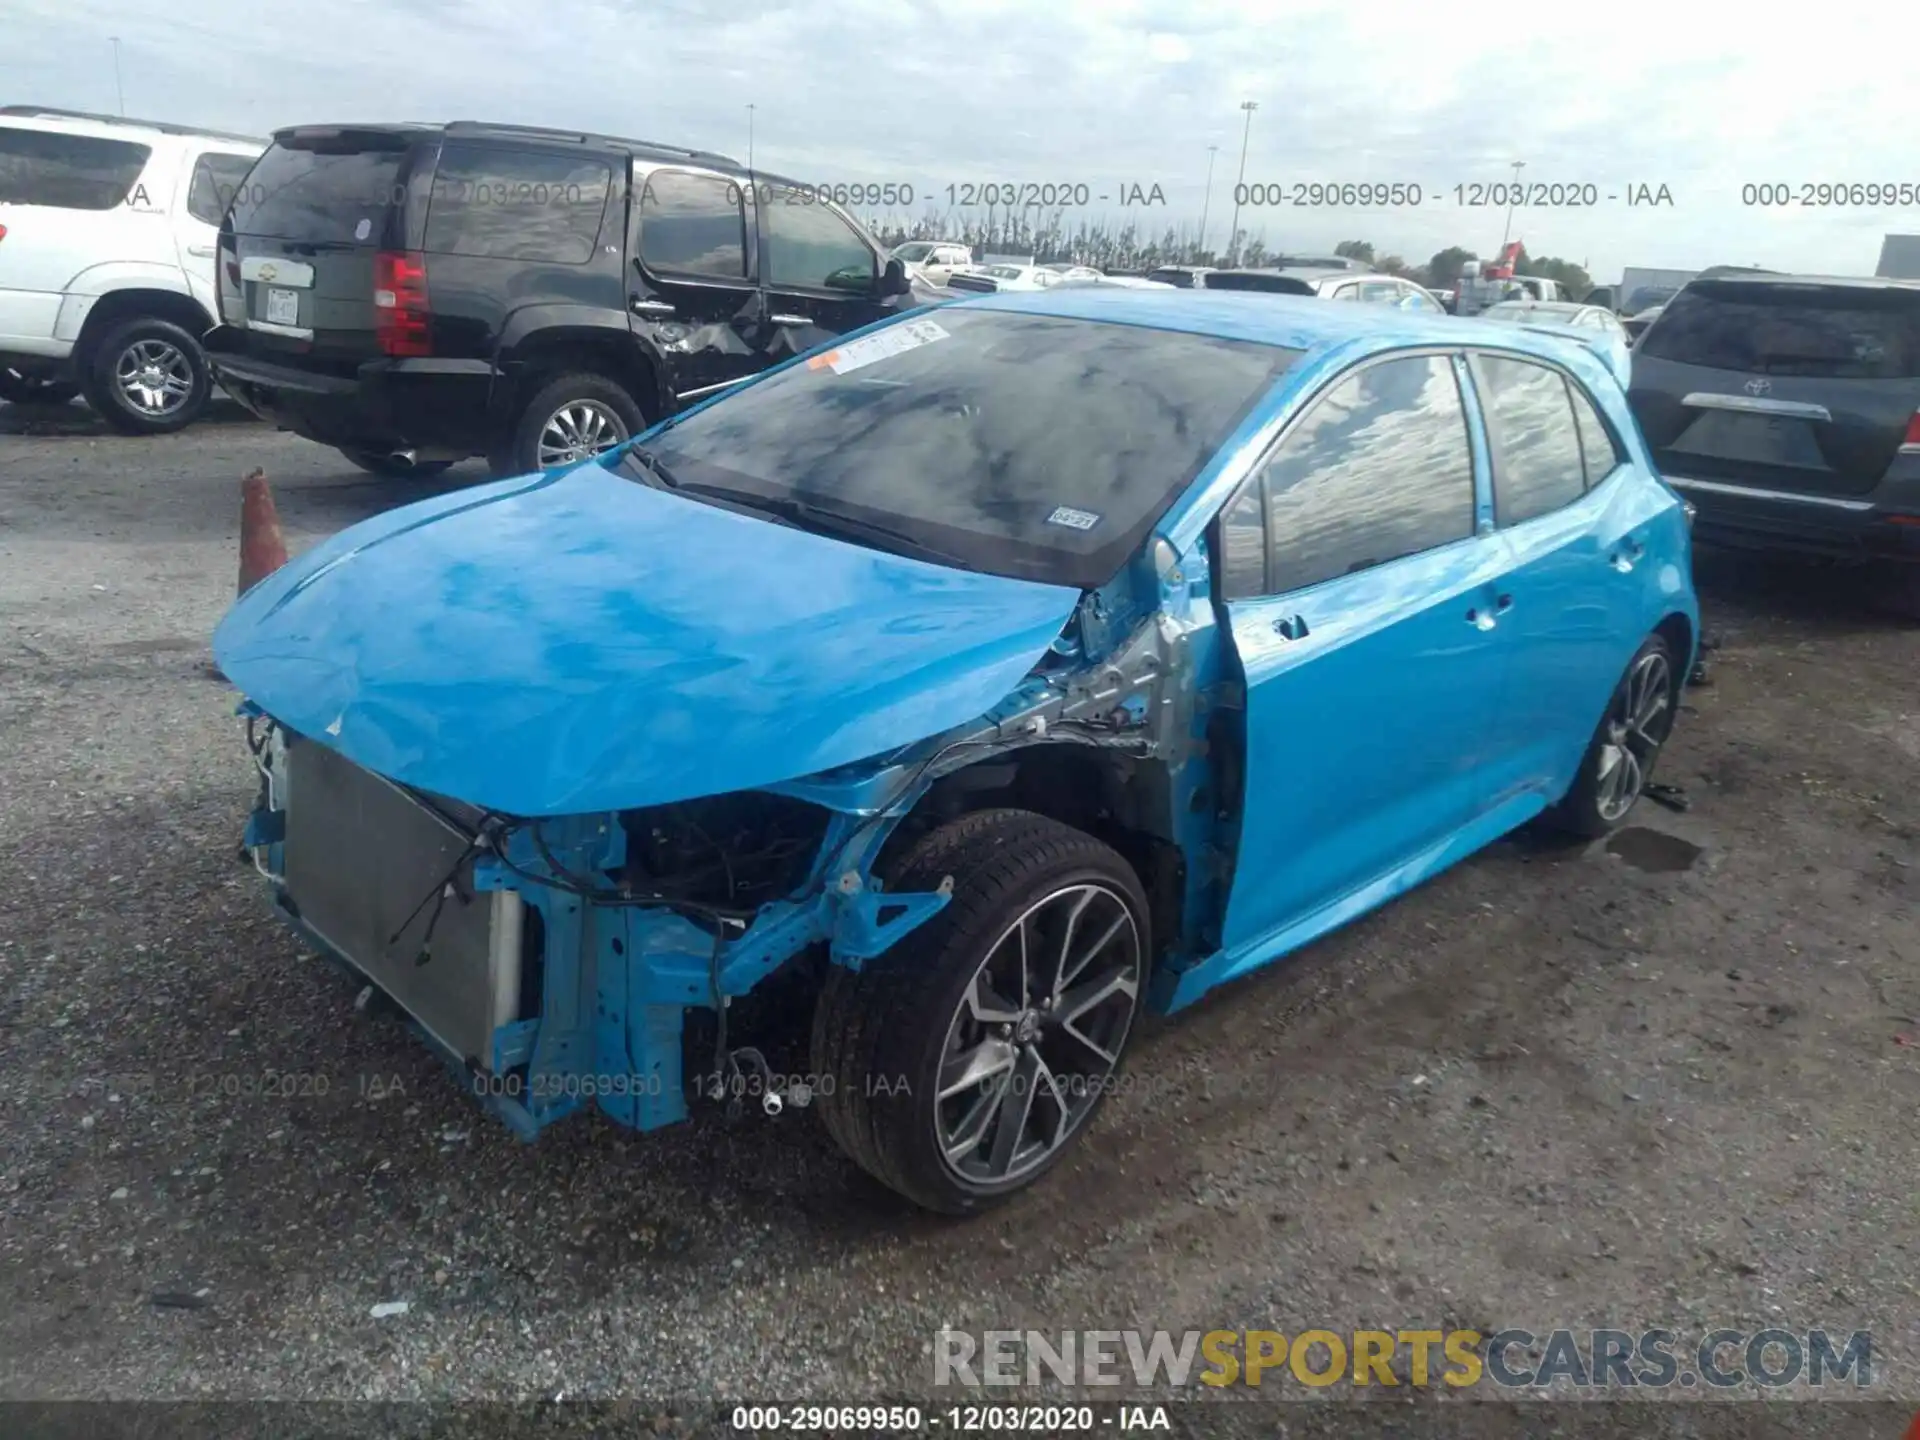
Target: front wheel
x=146, y=376
x=968, y=1058
x=1620, y=758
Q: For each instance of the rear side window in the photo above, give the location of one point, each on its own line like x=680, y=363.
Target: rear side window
x=336, y=190
x=1536, y=449
x=1831, y=331
x=216, y=180
x=1597, y=449
x=1378, y=469
x=693, y=224
x=67, y=172
x=516, y=204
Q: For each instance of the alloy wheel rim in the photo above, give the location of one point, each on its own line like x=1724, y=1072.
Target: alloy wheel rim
x=154, y=377
x=1637, y=725
x=1034, y=1040
x=577, y=430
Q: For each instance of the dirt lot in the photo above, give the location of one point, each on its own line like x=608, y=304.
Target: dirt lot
x=1670, y=1082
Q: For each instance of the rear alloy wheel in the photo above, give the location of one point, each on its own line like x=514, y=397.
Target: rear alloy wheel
x=968, y=1058
x=147, y=376
x=570, y=419
x=21, y=389
x=1619, y=760
x=392, y=467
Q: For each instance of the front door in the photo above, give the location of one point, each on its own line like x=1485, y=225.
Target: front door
x=693, y=299
x=822, y=275
x=1366, y=610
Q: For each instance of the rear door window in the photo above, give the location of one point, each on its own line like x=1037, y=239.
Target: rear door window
x=1598, y=451
x=1537, y=465
x=333, y=189
x=516, y=204
x=216, y=180
x=67, y=172
x=1379, y=469
x=1830, y=331
x=693, y=224
x=809, y=247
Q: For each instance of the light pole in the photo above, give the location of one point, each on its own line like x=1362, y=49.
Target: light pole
x=1240, y=188
x=119, y=93
x=1213, y=153
x=749, y=137
x=1513, y=193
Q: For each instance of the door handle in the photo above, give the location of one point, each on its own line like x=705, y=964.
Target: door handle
x=657, y=308
x=791, y=319
x=1628, y=554
x=205, y=252
x=1291, y=627
x=1482, y=619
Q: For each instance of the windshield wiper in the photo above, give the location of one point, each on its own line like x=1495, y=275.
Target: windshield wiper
x=653, y=465
x=803, y=514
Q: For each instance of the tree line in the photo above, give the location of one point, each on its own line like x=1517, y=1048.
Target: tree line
x=1126, y=247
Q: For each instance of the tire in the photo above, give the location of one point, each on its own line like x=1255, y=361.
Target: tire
x=19, y=389
x=172, y=357
x=1643, y=704
x=881, y=1033
x=581, y=391
x=385, y=466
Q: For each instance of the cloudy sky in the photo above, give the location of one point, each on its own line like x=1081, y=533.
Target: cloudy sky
x=1701, y=98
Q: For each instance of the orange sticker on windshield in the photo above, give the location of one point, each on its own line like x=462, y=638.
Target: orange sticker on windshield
x=821, y=361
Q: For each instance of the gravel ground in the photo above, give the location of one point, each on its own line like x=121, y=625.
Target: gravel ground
x=1667, y=1081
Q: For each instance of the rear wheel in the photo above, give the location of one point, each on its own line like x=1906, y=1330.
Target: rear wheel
x=21, y=389
x=571, y=418
x=1620, y=758
x=968, y=1058
x=146, y=376
x=392, y=467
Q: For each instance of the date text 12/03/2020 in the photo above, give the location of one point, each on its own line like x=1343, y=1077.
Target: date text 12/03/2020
x=1292, y=194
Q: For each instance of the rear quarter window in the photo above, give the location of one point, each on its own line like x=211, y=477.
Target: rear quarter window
x=516, y=204
x=67, y=172
x=217, y=178
x=1836, y=332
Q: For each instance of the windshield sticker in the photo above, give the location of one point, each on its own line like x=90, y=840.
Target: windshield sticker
x=1073, y=519
x=894, y=340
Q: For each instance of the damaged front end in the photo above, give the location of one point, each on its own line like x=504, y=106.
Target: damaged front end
x=554, y=960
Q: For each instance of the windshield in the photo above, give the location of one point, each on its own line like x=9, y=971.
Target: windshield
x=1005, y=272
x=1840, y=332
x=1030, y=446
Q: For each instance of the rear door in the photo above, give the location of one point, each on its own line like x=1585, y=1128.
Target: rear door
x=1797, y=387
x=213, y=181
x=694, y=301
x=1362, y=601
x=67, y=201
x=305, y=227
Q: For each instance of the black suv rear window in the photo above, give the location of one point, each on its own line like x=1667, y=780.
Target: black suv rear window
x=1834, y=331
x=516, y=204
x=1277, y=284
x=68, y=172
x=321, y=191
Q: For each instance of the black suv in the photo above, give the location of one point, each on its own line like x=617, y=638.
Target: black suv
x=418, y=294
x=1787, y=408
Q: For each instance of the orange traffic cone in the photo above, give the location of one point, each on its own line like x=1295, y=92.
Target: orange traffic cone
x=263, y=549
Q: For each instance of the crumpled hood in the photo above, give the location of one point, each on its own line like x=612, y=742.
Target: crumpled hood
x=581, y=642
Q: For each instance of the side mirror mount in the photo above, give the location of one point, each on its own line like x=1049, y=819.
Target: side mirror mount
x=893, y=279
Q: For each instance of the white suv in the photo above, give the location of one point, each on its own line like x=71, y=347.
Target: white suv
x=107, y=244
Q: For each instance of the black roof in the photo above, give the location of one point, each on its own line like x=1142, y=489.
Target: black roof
x=1727, y=279
x=497, y=130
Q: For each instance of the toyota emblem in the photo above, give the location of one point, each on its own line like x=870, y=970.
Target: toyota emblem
x=1759, y=387
x=267, y=272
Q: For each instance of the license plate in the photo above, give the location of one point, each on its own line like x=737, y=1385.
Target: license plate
x=283, y=307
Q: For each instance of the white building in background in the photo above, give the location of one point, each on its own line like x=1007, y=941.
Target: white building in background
x=1900, y=258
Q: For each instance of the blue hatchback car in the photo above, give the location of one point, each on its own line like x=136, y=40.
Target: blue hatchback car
x=1008, y=668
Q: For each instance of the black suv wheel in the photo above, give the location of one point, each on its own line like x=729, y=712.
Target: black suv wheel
x=146, y=376
x=570, y=418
